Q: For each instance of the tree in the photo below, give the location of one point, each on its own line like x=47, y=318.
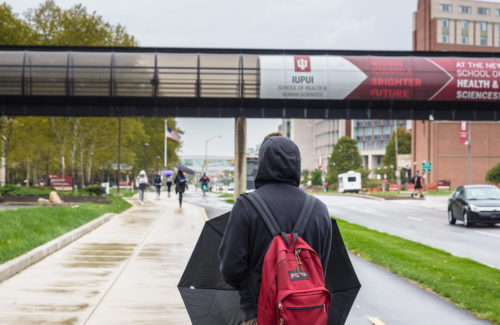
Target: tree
x=305, y=176
x=345, y=157
x=404, y=146
x=13, y=30
x=493, y=175
x=316, y=177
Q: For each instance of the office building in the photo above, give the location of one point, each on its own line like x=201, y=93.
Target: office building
x=456, y=25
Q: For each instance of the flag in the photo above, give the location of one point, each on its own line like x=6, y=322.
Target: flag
x=169, y=133
x=464, y=133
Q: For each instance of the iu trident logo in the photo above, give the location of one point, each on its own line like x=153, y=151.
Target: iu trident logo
x=302, y=64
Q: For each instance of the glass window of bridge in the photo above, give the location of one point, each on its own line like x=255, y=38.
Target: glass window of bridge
x=45, y=73
x=11, y=73
x=219, y=75
x=134, y=74
x=90, y=74
x=177, y=74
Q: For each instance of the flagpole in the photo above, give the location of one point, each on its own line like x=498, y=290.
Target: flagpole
x=165, y=154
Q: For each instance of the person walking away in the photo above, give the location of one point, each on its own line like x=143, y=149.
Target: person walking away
x=169, y=182
x=204, y=183
x=247, y=237
x=158, y=179
x=180, y=186
x=418, y=189
x=142, y=183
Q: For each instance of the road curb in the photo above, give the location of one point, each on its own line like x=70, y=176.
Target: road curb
x=12, y=267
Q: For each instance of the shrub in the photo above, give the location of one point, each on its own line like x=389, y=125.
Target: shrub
x=493, y=175
x=10, y=189
x=94, y=190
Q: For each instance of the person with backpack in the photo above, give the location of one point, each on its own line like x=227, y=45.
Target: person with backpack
x=169, y=182
x=204, y=183
x=141, y=182
x=275, y=221
x=180, y=185
x=157, y=180
x=417, y=181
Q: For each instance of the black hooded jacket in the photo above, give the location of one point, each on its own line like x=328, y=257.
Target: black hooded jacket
x=247, y=238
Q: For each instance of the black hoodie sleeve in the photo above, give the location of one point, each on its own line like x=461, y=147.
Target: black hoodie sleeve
x=234, y=249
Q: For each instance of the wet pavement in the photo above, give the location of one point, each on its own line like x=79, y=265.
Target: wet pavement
x=124, y=272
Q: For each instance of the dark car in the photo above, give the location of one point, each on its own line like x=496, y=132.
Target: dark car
x=474, y=204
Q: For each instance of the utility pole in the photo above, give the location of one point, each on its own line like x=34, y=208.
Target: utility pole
x=119, y=147
x=398, y=179
x=240, y=158
x=469, y=154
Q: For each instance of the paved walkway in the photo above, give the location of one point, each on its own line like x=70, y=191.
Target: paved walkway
x=124, y=272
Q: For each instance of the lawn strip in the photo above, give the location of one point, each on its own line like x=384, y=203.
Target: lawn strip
x=27, y=228
x=466, y=283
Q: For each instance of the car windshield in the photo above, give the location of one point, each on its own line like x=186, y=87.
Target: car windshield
x=483, y=193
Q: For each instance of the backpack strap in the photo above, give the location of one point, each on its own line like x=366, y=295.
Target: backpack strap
x=303, y=218
x=264, y=212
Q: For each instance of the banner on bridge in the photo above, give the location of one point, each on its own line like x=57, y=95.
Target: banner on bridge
x=379, y=78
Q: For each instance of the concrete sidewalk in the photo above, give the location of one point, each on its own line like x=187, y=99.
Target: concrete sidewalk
x=124, y=272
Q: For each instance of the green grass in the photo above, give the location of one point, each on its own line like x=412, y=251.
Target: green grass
x=27, y=228
x=123, y=192
x=468, y=284
x=229, y=197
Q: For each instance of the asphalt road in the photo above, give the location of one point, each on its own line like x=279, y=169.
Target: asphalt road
x=384, y=298
x=413, y=220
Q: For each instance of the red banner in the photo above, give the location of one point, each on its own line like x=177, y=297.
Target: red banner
x=58, y=183
x=464, y=132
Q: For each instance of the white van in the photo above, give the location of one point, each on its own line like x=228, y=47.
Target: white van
x=350, y=182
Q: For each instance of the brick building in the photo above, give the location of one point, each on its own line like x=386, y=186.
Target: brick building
x=456, y=25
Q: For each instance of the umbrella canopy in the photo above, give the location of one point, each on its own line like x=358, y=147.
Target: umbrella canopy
x=167, y=172
x=185, y=169
x=210, y=300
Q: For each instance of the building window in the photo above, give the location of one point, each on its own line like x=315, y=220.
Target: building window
x=465, y=39
x=447, y=8
x=446, y=38
x=446, y=23
x=483, y=11
x=498, y=12
x=464, y=9
x=483, y=41
x=483, y=26
x=465, y=24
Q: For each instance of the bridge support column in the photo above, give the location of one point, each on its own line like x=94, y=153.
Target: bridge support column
x=240, y=157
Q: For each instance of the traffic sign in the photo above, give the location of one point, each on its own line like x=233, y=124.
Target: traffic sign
x=426, y=166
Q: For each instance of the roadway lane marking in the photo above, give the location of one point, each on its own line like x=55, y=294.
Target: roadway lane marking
x=487, y=234
x=375, y=321
x=415, y=218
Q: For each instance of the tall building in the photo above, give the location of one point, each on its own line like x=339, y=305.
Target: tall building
x=372, y=137
x=456, y=25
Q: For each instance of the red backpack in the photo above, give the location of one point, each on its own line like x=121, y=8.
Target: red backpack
x=292, y=290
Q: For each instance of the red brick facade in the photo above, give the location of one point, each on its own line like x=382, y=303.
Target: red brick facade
x=438, y=142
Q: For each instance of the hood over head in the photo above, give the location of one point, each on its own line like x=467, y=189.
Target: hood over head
x=279, y=162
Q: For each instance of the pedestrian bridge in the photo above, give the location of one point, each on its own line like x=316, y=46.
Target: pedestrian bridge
x=184, y=82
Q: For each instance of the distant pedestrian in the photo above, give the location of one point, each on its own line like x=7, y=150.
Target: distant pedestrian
x=141, y=183
x=180, y=186
x=309, y=185
x=158, y=180
x=418, y=189
x=169, y=181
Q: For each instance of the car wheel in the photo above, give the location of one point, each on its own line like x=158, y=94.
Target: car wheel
x=451, y=218
x=467, y=222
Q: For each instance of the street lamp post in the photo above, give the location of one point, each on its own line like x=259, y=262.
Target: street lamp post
x=206, y=143
x=146, y=157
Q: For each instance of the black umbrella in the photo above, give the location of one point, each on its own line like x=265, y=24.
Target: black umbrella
x=185, y=169
x=210, y=300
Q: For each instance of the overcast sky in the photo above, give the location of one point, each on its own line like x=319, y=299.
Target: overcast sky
x=280, y=24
